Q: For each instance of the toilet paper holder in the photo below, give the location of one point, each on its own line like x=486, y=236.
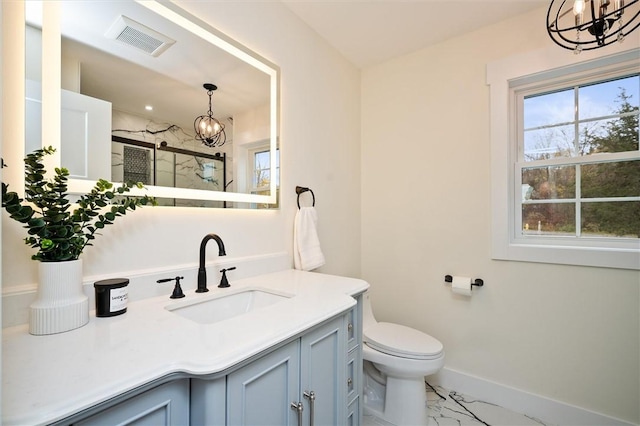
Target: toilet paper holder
x=477, y=282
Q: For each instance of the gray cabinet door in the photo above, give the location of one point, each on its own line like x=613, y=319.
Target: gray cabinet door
x=322, y=362
x=167, y=404
x=261, y=393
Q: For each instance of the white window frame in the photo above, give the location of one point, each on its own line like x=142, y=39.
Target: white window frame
x=505, y=77
x=252, y=168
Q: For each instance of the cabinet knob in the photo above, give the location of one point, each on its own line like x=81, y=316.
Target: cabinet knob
x=350, y=327
x=349, y=382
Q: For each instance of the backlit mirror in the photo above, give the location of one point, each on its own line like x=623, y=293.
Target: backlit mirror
x=133, y=76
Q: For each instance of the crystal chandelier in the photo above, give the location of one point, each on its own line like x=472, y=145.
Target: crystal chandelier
x=591, y=24
x=208, y=129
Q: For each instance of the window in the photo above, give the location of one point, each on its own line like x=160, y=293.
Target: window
x=261, y=173
x=566, y=162
x=578, y=165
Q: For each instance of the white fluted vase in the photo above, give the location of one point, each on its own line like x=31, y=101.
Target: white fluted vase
x=61, y=304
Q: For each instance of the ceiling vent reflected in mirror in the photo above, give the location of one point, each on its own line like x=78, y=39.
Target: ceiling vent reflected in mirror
x=139, y=36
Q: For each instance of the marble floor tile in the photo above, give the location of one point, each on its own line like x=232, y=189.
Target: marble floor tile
x=450, y=408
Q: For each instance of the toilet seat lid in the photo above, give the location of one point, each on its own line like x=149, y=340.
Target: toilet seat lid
x=402, y=341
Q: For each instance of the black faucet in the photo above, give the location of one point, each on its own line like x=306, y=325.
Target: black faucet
x=202, y=272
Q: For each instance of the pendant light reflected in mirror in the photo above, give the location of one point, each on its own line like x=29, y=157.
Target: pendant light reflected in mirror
x=208, y=129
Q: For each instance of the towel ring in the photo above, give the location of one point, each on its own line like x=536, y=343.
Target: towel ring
x=301, y=190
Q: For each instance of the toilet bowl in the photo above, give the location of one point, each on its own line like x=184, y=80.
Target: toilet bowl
x=396, y=360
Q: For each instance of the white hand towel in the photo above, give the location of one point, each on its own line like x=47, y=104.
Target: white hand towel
x=307, y=254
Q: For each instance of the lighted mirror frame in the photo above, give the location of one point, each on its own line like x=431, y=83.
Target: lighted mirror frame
x=51, y=94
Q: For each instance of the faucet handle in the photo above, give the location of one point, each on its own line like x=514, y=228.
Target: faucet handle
x=224, y=282
x=177, y=290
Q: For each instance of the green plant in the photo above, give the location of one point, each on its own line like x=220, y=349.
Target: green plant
x=58, y=232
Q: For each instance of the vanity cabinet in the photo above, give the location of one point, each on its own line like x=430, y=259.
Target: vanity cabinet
x=166, y=404
x=312, y=380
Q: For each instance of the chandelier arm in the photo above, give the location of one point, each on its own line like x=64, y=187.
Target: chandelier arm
x=555, y=21
x=566, y=12
x=630, y=21
x=554, y=24
x=550, y=29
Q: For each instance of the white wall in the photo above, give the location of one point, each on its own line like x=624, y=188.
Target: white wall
x=568, y=333
x=319, y=136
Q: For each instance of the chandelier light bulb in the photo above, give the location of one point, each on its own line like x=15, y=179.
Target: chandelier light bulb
x=578, y=11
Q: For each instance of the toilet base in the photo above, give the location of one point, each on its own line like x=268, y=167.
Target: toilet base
x=380, y=418
x=400, y=401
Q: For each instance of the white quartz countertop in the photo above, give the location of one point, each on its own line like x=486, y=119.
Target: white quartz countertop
x=48, y=378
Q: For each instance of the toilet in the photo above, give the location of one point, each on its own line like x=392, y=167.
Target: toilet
x=396, y=359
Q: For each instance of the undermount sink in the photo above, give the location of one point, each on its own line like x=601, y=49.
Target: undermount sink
x=220, y=307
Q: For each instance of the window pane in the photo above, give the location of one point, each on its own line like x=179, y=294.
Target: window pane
x=548, y=183
x=549, y=219
x=611, y=219
x=611, y=180
x=261, y=178
x=543, y=144
x=612, y=135
x=549, y=108
x=262, y=170
x=602, y=99
x=263, y=160
x=594, y=136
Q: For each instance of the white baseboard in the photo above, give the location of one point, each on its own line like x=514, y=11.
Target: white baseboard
x=540, y=407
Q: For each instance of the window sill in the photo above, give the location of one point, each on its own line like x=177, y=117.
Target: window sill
x=619, y=258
